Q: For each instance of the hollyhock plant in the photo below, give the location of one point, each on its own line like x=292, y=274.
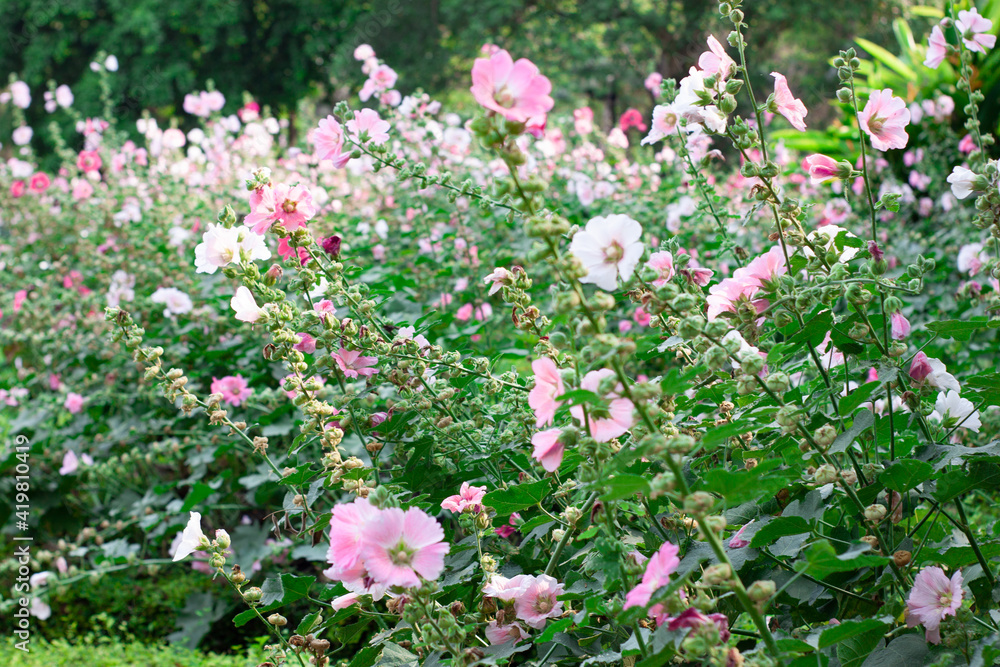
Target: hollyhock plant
x=716, y=61
x=659, y=567
x=663, y=264
x=971, y=258
x=537, y=601
x=937, y=48
x=631, y=118
x=548, y=448
x=607, y=424
x=932, y=372
x=501, y=634
x=245, y=306
x=176, y=301
x=956, y=411
x=666, y=118
x=900, y=326
x=497, y=279
x=965, y=182
x=353, y=365
x=884, y=120
x=693, y=619
x=515, y=90
x=88, y=161
x=975, y=30
x=348, y=529
x=399, y=548
x=191, y=539
x=787, y=104
x=329, y=141
x=608, y=247
x=233, y=388
x=222, y=246
x=367, y=123
x=468, y=498
x=933, y=598
x=74, y=402
x=822, y=168
x=544, y=396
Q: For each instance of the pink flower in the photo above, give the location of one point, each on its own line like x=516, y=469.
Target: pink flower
x=937, y=48
x=464, y=313
x=39, y=182
x=822, y=168
x=663, y=263
x=900, y=326
x=499, y=277
x=665, y=122
x=329, y=141
x=583, y=120
x=884, y=119
x=975, y=30
x=353, y=364
x=613, y=422
x=245, y=306
x=788, y=105
x=293, y=206
x=401, y=547
x=501, y=634
x=368, y=121
x=538, y=601
x=20, y=296
x=468, y=498
x=548, y=449
x=737, y=541
x=967, y=144
x=233, y=388
x=932, y=372
x=692, y=618
x=88, y=161
x=631, y=118
x=543, y=398
x=306, y=344
x=82, y=189
x=971, y=258
x=509, y=529
x=17, y=189
x=934, y=597
x=658, y=570
x=716, y=60
x=515, y=90
x=653, y=83
x=348, y=527
x=74, y=402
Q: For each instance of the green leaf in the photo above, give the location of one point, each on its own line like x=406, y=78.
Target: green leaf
x=905, y=651
x=719, y=434
x=853, y=652
x=582, y=397
x=197, y=494
x=624, y=486
x=738, y=486
x=862, y=422
x=855, y=398
x=887, y=58
x=959, y=482
x=962, y=329
x=517, y=497
x=394, y=655
x=272, y=591
x=309, y=622
x=849, y=629
x=822, y=560
x=677, y=383
x=814, y=331
x=552, y=628
x=905, y=474
x=779, y=527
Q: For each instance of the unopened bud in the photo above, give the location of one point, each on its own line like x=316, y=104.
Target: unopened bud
x=761, y=591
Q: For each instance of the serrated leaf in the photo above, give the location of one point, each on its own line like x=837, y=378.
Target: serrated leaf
x=738, y=486
x=848, y=629
x=962, y=329
x=822, y=560
x=814, y=331
x=781, y=526
x=905, y=474
x=624, y=486
x=517, y=497
x=959, y=482
x=905, y=651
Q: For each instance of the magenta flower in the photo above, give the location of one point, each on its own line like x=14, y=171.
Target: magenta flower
x=631, y=118
x=233, y=388
x=975, y=30
x=509, y=528
x=934, y=597
x=501, y=634
x=401, y=547
x=692, y=618
x=329, y=141
x=538, y=601
x=789, y=106
x=39, y=182
x=548, y=449
x=515, y=90
x=368, y=121
x=353, y=364
x=604, y=424
x=822, y=168
x=468, y=498
x=658, y=570
x=884, y=119
x=548, y=387
x=88, y=161
x=937, y=48
x=737, y=541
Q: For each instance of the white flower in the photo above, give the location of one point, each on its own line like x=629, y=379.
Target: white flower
x=20, y=94
x=221, y=246
x=191, y=538
x=176, y=301
x=173, y=138
x=965, y=182
x=940, y=377
x=246, y=308
x=607, y=248
x=22, y=135
x=178, y=235
x=39, y=609
x=121, y=288
x=954, y=411
x=971, y=258
x=111, y=64
x=64, y=96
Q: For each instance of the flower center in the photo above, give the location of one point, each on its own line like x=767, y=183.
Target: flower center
x=543, y=605
x=876, y=125
x=505, y=98
x=289, y=206
x=613, y=253
x=400, y=555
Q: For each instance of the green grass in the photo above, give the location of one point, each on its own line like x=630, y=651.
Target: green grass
x=106, y=653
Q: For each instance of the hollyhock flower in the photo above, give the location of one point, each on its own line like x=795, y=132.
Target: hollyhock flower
x=234, y=389
x=464, y=313
x=364, y=52
x=515, y=90
x=666, y=118
x=822, y=168
x=509, y=529
x=716, y=60
x=692, y=618
x=88, y=161
x=499, y=277
x=657, y=575
x=401, y=547
x=663, y=263
x=726, y=296
x=954, y=410
x=39, y=182
x=884, y=120
x=368, y=121
x=293, y=207
x=348, y=527
x=191, y=540
x=974, y=30
x=245, y=306
x=468, y=498
x=937, y=48
x=608, y=247
x=195, y=105
x=930, y=371
x=548, y=449
x=617, y=138
x=221, y=246
x=788, y=105
x=737, y=541
x=965, y=182
x=352, y=364
x=17, y=189
x=653, y=83
x=900, y=326
x=828, y=354
x=176, y=301
x=20, y=94
x=329, y=141
x=501, y=634
x=967, y=144
x=22, y=135
x=631, y=118
x=537, y=602
x=543, y=397
x=613, y=422
x=971, y=258
x=583, y=120
x=74, y=402
x=933, y=598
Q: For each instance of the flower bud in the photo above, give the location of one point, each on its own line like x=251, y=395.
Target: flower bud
x=253, y=594
x=222, y=539
x=717, y=574
x=875, y=513
x=761, y=590
x=825, y=435
x=825, y=474
x=902, y=558
x=277, y=620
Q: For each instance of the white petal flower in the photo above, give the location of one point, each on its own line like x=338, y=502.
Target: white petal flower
x=954, y=411
x=245, y=306
x=609, y=247
x=190, y=539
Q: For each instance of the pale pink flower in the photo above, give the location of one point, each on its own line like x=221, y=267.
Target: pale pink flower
x=657, y=575
x=726, y=296
x=499, y=278
x=468, y=498
x=348, y=526
x=368, y=121
x=828, y=354
x=543, y=398
x=71, y=462
x=971, y=258
x=353, y=364
x=716, y=60
x=933, y=598
x=234, y=389
x=653, y=82
x=604, y=424
x=515, y=90
x=190, y=540
x=884, y=119
x=788, y=105
x=967, y=144
x=74, y=402
x=822, y=168
x=583, y=120
x=693, y=618
x=666, y=119
x=507, y=590
x=22, y=135
x=306, y=344
x=329, y=141
x=20, y=94
x=663, y=263
x=364, y=52
x=974, y=30
x=548, y=449
x=501, y=634
x=737, y=541
x=82, y=189
x=937, y=48
x=401, y=547
x=900, y=326
x=608, y=247
x=464, y=314
x=538, y=601
x=344, y=601
x=293, y=206
x=245, y=306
